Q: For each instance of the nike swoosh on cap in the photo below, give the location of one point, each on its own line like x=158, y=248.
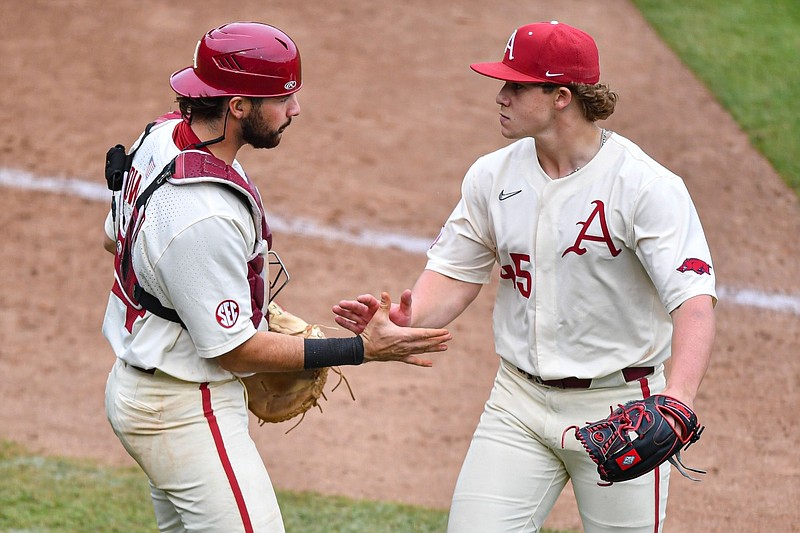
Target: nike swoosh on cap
x=551, y=75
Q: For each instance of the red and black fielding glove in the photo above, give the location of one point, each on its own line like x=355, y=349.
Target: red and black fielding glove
x=637, y=437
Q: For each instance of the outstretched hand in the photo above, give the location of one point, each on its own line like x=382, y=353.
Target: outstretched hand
x=354, y=315
x=385, y=340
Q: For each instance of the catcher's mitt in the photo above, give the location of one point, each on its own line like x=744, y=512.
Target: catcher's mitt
x=279, y=396
x=636, y=438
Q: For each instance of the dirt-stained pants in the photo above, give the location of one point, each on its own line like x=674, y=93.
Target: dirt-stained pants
x=192, y=441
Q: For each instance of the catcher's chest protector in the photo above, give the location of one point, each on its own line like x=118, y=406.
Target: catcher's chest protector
x=192, y=166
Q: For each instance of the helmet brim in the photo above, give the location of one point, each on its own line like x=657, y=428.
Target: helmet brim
x=185, y=82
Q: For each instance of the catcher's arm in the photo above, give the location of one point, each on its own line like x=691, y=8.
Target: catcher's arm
x=692, y=340
x=109, y=244
x=381, y=340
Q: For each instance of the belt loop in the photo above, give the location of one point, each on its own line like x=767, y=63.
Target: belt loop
x=636, y=372
x=151, y=371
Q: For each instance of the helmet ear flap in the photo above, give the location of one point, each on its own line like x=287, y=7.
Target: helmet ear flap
x=241, y=59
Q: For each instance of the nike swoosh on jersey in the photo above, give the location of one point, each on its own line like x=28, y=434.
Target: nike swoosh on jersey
x=504, y=195
x=551, y=75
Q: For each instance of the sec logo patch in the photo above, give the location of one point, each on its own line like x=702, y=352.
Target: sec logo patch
x=227, y=313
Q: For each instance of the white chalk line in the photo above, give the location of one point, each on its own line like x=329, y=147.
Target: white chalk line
x=19, y=179
x=298, y=226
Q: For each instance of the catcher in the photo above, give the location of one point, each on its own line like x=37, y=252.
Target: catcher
x=185, y=317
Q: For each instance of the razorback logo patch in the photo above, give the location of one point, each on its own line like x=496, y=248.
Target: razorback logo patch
x=227, y=313
x=698, y=266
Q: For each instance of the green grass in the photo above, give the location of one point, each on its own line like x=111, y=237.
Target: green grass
x=52, y=495
x=748, y=53
x=40, y=494
x=312, y=512
x=56, y=495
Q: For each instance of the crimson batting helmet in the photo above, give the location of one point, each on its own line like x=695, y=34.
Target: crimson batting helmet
x=241, y=59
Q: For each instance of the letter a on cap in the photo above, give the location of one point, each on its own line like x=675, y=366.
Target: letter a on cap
x=510, y=46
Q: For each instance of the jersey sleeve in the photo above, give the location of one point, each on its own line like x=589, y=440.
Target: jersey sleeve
x=464, y=250
x=670, y=242
x=202, y=274
x=109, y=228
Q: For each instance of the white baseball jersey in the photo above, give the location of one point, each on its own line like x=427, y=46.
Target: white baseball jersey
x=591, y=264
x=191, y=253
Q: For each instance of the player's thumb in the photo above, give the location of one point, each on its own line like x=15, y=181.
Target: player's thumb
x=405, y=300
x=386, y=302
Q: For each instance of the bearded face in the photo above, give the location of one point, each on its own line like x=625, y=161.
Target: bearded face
x=257, y=132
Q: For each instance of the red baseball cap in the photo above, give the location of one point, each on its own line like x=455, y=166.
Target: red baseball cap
x=546, y=52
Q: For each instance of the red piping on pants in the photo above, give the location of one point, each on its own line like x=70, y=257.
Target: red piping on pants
x=646, y=394
x=208, y=411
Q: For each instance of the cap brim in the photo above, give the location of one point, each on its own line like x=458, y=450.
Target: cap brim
x=186, y=83
x=501, y=71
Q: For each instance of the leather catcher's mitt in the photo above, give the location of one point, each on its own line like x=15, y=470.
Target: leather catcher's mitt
x=279, y=396
x=636, y=438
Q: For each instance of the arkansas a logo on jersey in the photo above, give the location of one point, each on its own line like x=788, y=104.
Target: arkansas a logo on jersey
x=599, y=214
x=698, y=266
x=227, y=313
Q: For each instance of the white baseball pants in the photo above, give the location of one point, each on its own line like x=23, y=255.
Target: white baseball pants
x=516, y=467
x=192, y=441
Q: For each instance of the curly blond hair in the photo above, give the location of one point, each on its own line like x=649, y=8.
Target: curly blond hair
x=597, y=100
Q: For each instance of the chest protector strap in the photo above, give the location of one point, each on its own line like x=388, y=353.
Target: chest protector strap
x=192, y=167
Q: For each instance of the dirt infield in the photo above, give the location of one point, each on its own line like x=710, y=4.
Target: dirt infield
x=391, y=119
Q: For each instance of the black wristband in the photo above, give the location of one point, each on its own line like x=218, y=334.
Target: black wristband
x=333, y=352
